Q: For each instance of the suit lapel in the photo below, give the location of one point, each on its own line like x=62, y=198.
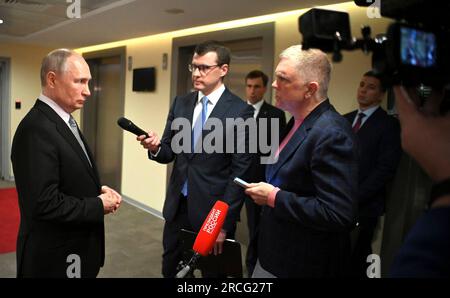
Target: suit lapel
x=188, y=113
x=222, y=105
x=371, y=121
x=91, y=158
x=67, y=134
x=262, y=112
x=297, y=138
x=219, y=111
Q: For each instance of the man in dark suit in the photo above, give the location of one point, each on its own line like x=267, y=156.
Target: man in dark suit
x=62, y=203
x=255, y=88
x=378, y=136
x=309, y=200
x=199, y=178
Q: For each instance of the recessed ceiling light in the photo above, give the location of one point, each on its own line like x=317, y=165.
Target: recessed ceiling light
x=1, y=21
x=174, y=11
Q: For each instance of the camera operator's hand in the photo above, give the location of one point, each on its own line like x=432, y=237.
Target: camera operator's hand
x=425, y=136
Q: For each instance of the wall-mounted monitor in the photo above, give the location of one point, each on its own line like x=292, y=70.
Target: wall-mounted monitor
x=144, y=79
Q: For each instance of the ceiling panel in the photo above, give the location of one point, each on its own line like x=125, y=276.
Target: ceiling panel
x=46, y=23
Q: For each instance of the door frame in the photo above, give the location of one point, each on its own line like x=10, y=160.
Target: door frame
x=5, y=119
x=265, y=31
x=122, y=53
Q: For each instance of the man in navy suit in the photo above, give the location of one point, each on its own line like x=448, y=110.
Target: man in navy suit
x=255, y=88
x=309, y=200
x=378, y=136
x=199, y=179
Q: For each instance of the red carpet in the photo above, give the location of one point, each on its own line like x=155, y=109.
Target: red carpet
x=9, y=220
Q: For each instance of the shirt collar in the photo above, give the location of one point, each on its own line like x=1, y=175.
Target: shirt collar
x=63, y=114
x=257, y=105
x=368, y=112
x=214, y=96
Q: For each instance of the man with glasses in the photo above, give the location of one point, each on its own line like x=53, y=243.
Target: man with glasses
x=199, y=179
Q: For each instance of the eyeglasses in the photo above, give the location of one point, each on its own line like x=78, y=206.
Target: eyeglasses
x=203, y=69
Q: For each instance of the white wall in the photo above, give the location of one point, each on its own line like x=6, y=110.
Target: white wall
x=24, y=80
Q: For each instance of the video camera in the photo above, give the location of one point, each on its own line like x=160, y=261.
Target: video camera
x=414, y=50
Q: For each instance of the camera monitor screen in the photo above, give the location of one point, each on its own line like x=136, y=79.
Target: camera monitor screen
x=417, y=47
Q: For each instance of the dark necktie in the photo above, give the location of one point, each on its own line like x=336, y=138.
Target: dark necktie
x=358, y=122
x=76, y=133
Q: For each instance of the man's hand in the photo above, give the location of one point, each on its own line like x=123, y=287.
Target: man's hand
x=111, y=199
x=218, y=246
x=259, y=192
x=151, y=143
x=425, y=136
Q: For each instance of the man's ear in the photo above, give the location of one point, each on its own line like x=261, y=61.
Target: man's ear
x=224, y=69
x=51, y=78
x=312, y=89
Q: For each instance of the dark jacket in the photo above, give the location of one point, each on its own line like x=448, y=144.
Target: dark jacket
x=61, y=214
x=210, y=175
x=379, y=155
x=306, y=234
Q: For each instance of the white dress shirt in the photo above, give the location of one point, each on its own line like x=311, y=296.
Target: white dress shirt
x=257, y=106
x=55, y=107
x=213, y=98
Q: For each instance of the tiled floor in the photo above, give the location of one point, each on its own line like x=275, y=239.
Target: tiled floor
x=133, y=245
x=6, y=184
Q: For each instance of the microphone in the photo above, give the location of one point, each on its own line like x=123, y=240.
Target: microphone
x=207, y=236
x=129, y=126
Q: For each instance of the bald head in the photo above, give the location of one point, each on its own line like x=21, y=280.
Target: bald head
x=55, y=61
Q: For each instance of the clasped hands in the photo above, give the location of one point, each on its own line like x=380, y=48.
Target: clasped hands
x=111, y=199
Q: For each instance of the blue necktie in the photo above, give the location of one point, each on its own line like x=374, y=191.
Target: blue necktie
x=197, y=136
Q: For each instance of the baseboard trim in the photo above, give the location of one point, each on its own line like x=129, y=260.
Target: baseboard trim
x=143, y=207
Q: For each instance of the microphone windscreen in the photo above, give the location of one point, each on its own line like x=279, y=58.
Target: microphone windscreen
x=124, y=123
x=211, y=228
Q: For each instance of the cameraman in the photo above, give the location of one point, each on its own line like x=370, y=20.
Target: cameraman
x=426, y=137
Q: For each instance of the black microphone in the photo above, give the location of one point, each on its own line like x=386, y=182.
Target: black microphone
x=129, y=126
x=364, y=3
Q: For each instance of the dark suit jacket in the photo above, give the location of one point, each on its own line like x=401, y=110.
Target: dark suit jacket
x=379, y=155
x=306, y=234
x=210, y=176
x=59, y=208
x=258, y=170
